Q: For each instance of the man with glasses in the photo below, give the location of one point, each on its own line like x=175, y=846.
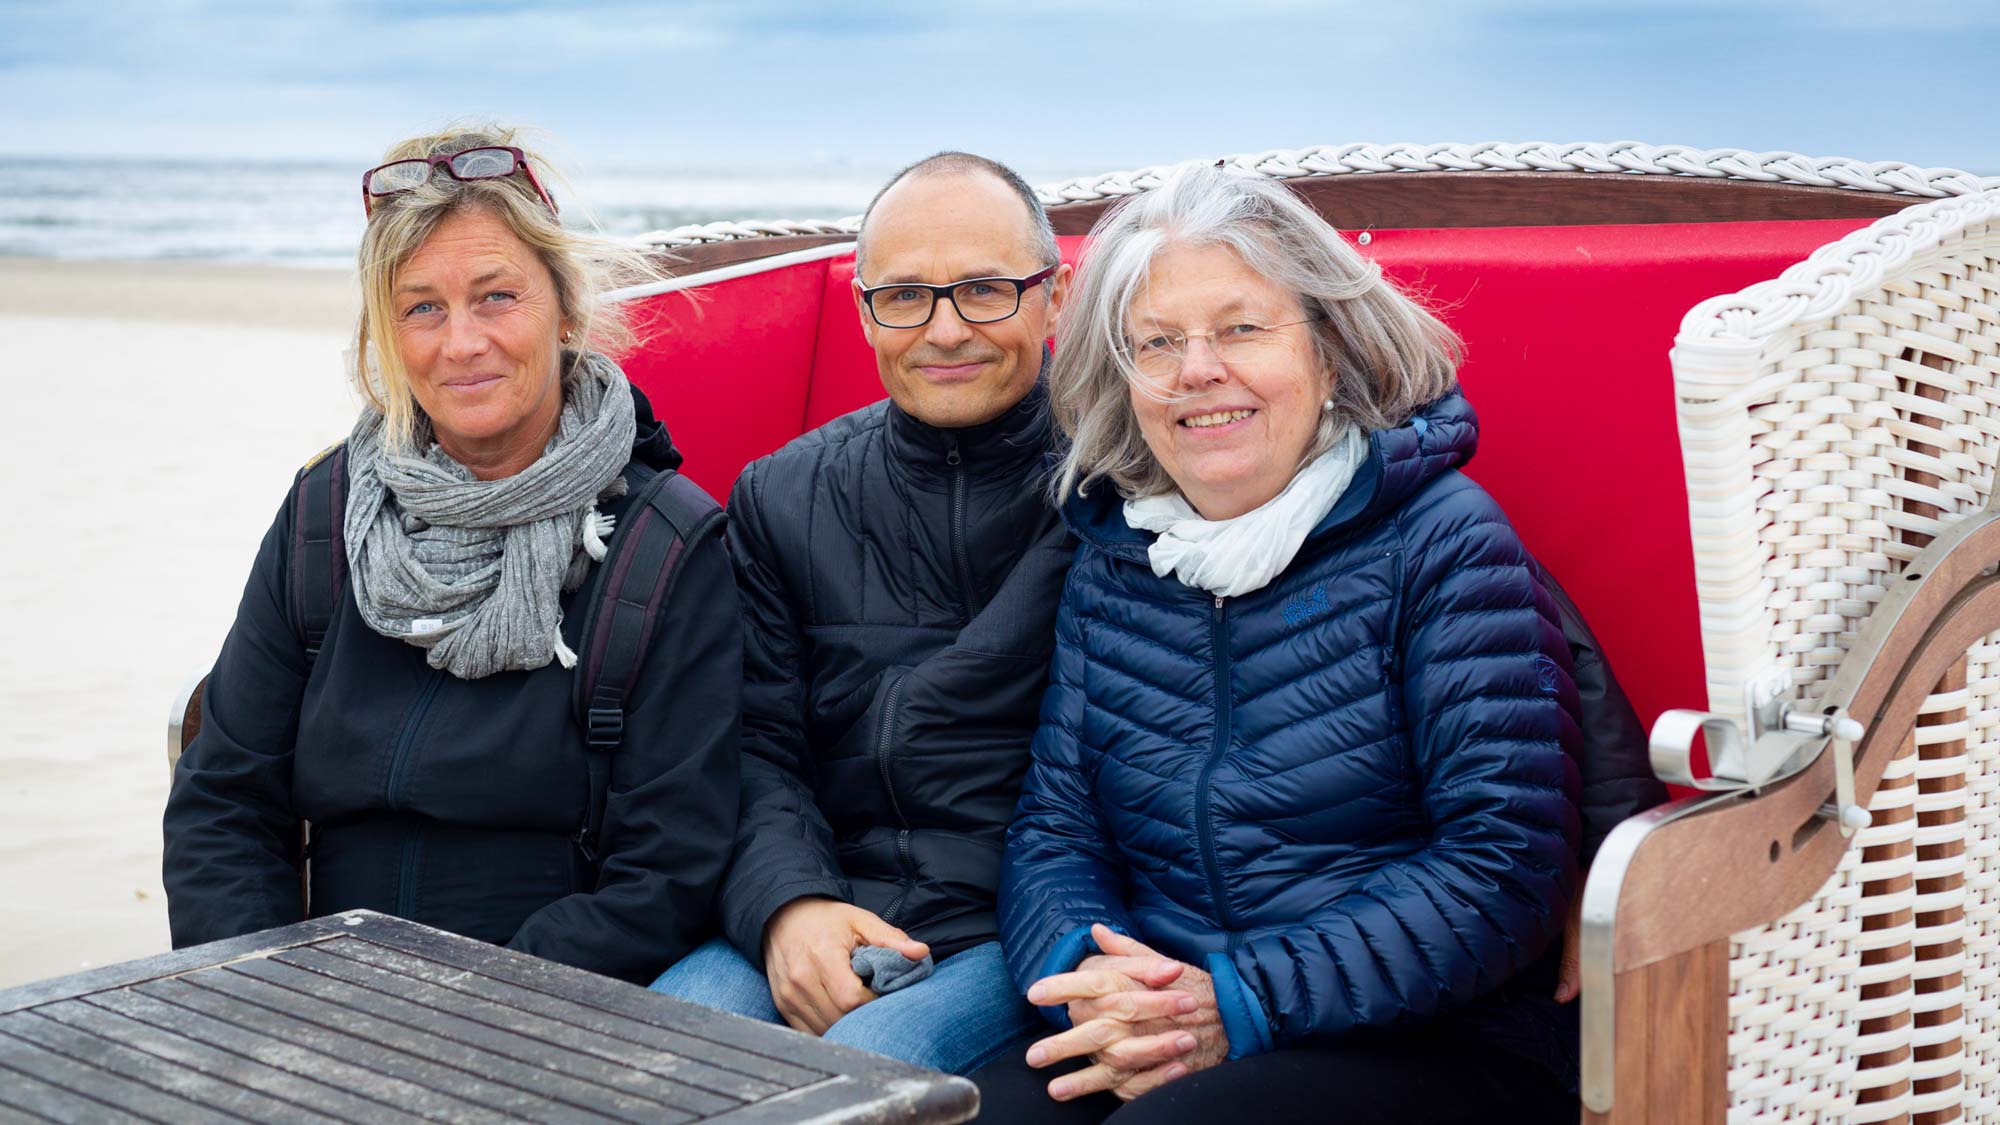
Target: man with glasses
x=899, y=573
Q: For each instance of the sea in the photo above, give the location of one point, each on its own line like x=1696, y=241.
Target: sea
x=309, y=215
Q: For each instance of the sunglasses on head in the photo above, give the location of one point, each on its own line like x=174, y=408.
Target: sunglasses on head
x=489, y=162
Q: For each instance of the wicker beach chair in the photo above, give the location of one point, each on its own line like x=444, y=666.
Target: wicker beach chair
x=1840, y=428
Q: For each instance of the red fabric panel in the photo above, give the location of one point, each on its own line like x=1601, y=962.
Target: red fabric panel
x=844, y=375
x=1567, y=331
x=727, y=369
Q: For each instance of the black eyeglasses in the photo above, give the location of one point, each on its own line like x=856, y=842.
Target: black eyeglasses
x=979, y=300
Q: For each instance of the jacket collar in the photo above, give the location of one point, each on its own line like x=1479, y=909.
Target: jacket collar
x=1401, y=461
x=1014, y=443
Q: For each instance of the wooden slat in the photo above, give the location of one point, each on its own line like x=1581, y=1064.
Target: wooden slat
x=518, y=1035
x=1677, y=1012
x=173, y=1081
x=38, y=1101
x=758, y=1050
x=737, y=1074
x=38, y=1066
x=520, y=1057
x=342, y=1088
x=216, y=1065
x=486, y=1078
x=354, y=1063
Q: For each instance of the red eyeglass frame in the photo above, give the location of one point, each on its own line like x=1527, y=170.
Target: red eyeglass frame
x=443, y=160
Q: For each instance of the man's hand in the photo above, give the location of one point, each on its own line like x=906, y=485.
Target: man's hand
x=807, y=947
x=1570, y=983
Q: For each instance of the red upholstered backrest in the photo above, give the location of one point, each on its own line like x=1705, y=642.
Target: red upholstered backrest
x=727, y=366
x=1566, y=329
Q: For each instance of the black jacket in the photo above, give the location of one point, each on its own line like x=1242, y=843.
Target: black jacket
x=456, y=803
x=899, y=587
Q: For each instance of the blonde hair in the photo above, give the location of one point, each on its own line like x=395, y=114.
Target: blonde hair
x=584, y=265
x=1388, y=356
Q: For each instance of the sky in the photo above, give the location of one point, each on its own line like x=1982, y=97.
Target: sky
x=1054, y=88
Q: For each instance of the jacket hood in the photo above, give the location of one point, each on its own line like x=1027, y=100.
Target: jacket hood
x=651, y=445
x=1401, y=461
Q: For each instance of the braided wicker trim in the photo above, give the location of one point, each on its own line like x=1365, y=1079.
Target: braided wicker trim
x=1833, y=275
x=1621, y=157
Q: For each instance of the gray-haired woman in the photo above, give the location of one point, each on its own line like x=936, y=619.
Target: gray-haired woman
x=1301, y=824
x=429, y=736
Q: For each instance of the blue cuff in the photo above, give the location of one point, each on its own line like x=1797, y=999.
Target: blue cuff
x=1069, y=952
x=1242, y=1015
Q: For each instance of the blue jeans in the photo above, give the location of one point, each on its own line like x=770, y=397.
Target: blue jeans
x=955, y=1020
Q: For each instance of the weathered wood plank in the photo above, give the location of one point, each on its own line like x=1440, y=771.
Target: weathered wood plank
x=292, y=1090
x=719, y=1067
x=352, y=1062
x=43, y=1067
x=620, y=1091
x=171, y=1080
x=406, y=1025
x=127, y=973
x=39, y=1101
x=714, y=1037
x=843, y=1099
x=338, y=1087
x=440, y=1061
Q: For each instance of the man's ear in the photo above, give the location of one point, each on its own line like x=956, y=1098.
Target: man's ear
x=1059, y=282
x=861, y=310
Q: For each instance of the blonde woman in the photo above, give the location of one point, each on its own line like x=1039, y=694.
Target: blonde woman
x=403, y=670
x=1300, y=830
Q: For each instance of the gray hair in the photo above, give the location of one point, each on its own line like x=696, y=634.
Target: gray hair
x=1389, y=356
x=1043, y=236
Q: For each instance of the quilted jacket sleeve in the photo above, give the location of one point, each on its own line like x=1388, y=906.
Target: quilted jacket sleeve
x=784, y=844
x=1061, y=872
x=1485, y=687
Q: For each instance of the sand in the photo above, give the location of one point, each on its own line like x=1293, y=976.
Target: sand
x=153, y=417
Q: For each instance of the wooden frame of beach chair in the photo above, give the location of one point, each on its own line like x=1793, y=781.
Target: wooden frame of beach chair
x=1744, y=958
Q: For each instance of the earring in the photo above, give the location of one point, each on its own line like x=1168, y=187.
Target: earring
x=1327, y=406
x=565, y=336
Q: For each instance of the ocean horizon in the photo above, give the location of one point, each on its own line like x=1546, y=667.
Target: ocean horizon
x=309, y=215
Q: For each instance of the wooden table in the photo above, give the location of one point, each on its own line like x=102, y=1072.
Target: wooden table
x=366, y=1018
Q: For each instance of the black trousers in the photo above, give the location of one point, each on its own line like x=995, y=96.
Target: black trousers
x=1411, y=1080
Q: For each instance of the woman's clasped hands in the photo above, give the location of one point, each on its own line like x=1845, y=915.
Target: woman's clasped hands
x=1141, y=1017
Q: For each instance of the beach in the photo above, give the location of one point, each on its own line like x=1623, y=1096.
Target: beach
x=155, y=413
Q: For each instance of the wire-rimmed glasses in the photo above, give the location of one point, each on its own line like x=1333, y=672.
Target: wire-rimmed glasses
x=1160, y=354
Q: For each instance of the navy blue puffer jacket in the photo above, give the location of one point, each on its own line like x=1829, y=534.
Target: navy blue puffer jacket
x=1350, y=796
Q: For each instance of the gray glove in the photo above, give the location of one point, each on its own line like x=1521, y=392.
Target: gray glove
x=885, y=970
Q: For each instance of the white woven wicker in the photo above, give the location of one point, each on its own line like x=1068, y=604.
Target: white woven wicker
x=1832, y=421
x=1615, y=157
x=1805, y=425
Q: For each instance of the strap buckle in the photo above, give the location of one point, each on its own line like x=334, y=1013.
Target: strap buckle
x=606, y=728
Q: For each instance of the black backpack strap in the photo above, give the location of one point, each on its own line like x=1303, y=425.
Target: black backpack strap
x=318, y=569
x=668, y=514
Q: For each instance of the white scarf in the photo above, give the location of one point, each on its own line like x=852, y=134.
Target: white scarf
x=1237, y=556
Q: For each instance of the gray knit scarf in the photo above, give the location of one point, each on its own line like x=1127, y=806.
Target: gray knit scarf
x=470, y=569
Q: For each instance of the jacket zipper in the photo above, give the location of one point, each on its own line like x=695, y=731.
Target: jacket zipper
x=1203, y=817
x=882, y=748
x=958, y=556
x=406, y=881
